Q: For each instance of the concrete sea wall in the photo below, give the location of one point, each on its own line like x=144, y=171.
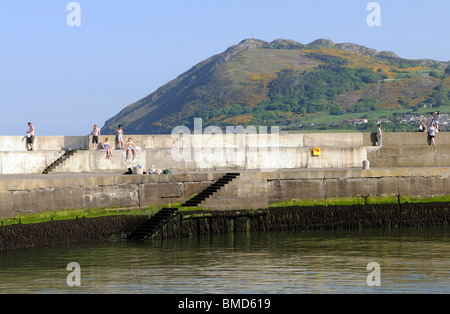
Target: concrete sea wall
x=254, y=190
x=227, y=152
x=251, y=190
x=272, y=169
x=30, y=195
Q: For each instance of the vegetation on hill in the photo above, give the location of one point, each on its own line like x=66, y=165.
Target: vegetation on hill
x=289, y=84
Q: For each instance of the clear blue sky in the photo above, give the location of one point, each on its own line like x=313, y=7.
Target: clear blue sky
x=65, y=79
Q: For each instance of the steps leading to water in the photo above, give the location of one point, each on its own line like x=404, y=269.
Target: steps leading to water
x=153, y=224
x=159, y=220
x=66, y=155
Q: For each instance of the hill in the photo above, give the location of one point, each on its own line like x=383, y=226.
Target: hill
x=285, y=82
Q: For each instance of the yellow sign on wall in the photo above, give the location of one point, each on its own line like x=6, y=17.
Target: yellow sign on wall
x=316, y=152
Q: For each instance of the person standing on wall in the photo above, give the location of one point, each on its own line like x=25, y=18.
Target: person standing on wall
x=95, y=133
x=30, y=137
x=432, y=134
x=119, y=137
x=436, y=119
x=379, y=136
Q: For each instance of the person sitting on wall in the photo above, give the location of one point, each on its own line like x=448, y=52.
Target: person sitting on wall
x=106, y=145
x=130, y=147
x=422, y=127
x=128, y=172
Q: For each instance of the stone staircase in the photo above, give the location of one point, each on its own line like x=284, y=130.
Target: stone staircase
x=153, y=224
x=208, y=192
x=159, y=220
x=66, y=155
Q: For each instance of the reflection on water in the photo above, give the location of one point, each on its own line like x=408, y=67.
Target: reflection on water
x=413, y=260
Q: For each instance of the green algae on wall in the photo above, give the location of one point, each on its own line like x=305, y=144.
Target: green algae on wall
x=23, y=236
x=318, y=217
x=204, y=222
x=360, y=200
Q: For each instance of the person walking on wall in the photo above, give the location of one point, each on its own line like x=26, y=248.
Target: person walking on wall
x=119, y=137
x=379, y=136
x=95, y=133
x=30, y=137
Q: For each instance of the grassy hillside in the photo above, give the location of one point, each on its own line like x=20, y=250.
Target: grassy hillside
x=286, y=83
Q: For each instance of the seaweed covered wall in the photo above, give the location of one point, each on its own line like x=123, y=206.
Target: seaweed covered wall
x=199, y=223
x=346, y=217
x=23, y=236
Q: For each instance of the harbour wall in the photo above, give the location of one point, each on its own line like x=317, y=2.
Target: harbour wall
x=190, y=153
x=25, y=195
x=251, y=190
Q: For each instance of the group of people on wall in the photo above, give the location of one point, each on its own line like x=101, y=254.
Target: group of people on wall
x=432, y=130
x=96, y=133
x=129, y=144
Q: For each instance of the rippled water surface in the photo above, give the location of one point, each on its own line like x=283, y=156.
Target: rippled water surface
x=414, y=260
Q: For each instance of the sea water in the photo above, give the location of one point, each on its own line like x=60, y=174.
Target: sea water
x=411, y=260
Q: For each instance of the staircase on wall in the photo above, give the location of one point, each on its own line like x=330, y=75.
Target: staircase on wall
x=66, y=155
x=159, y=220
x=208, y=192
x=153, y=224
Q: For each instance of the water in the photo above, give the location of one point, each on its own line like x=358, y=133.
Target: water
x=413, y=260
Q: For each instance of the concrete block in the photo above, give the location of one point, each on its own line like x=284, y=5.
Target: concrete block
x=160, y=194
x=6, y=205
x=333, y=140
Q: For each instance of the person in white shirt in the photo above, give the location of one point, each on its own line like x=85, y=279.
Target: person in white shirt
x=432, y=134
x=379, y=136
x=436, y=119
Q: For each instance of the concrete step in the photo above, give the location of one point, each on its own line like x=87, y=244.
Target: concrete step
x=153, y=224
x=209, y=191
x=66, y=155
